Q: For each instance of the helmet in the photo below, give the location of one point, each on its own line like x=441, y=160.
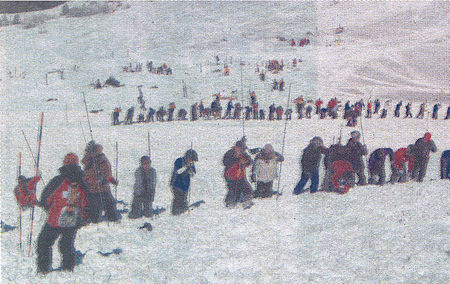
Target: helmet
x=191, y=155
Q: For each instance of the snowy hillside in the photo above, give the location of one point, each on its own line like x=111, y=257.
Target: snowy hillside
x=390, y=50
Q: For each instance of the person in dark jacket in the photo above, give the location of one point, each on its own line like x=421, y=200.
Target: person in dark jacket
x=355, y=151
x=194, y=112
x=64, y=199
x=229, y=109
x=129, y=116
x=337, y=170
x=115, y=116
x=408, y=113
x=376, y=165
x=435, y=111
x=445, y=165
x=311, y=157
x=150, y=115
x=397, y=109
x=183, y=170
x=421, y=113
x=236, y=160
x=377, y=106
x=272, y=109
x=99, y=176
x=143, y=190
x=422, y=149
x=448, y=113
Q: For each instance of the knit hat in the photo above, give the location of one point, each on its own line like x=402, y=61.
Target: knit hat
x=146, y=159
x=317, y=141
x=191, y=155
x=268, y=148
x=71, y=159
x=355, y=134
x=241, y=143
x=427, y=137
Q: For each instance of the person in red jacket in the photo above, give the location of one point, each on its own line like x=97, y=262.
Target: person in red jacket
x=236, y=160
x=64, y=198
x=403, y=164
x=319, y=103
x=25, y=191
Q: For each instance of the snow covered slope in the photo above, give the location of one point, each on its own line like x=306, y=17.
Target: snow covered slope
x=397, y=50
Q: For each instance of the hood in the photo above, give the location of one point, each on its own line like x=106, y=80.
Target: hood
x=72, y=173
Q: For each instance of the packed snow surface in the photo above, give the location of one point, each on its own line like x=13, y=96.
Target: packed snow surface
x=390, y=50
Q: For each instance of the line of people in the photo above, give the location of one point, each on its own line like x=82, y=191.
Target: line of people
x=77, y=197
x=345, y=167
x=304, y=109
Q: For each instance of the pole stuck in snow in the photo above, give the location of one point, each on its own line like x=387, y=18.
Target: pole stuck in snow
x=117, y=169
x=34, y=190
x=282, y=148
x=242, y=101
x=19, y=173
x=148, y=145
x=87, y=115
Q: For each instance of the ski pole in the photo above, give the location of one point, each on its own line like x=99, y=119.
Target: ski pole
x=34, y=190
x=87, y=115
x=117, y=164
x=282, y=148
x=20, y=205
x=148, y=145
x=32, y=155
x=242, y=100
x=94, y=158
x=82, y=132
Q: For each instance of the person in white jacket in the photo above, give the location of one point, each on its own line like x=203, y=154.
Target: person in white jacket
x=264, y=171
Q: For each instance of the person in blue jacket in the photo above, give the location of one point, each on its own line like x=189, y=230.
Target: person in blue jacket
x=376, y=165
x=445, y=165
x=183, y=170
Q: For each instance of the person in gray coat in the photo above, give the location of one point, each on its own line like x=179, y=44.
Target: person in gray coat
x=144, y=190
x=355, y=152
x=421, y=153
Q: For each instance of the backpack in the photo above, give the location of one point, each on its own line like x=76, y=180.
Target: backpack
x=235, y=172
x=70, y=214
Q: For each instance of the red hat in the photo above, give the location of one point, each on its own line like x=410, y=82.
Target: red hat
x=71, y=159
x=427, y=137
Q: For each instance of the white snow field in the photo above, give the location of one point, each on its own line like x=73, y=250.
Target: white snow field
x=390, y=50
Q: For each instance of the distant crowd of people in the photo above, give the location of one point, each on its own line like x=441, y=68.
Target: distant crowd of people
x=303, y=108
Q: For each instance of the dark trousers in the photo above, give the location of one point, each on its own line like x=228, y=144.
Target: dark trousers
x=361, y=176
x=307, y=175
x=263, y=189
x=420, y=169
x=179, y=202
x=47, y=238
x=238, y=191
x=380, y=173
x=99, y=202
x=400, y=175
x=141, y=206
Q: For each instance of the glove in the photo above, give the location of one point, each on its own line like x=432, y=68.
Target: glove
x=113, y=181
